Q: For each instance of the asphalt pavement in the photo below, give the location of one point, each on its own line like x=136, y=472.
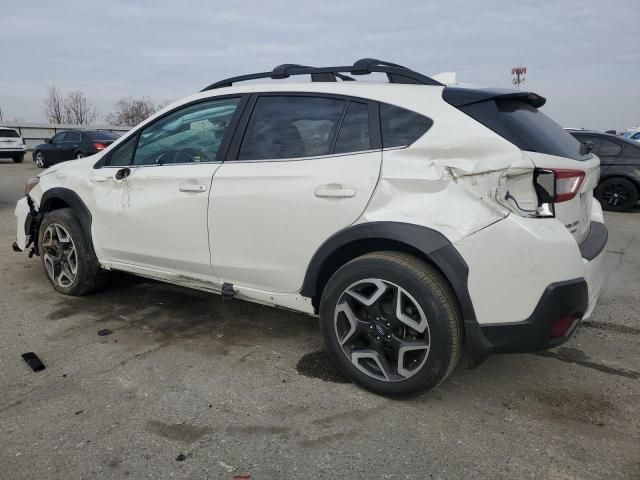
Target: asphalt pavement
x=181, y=385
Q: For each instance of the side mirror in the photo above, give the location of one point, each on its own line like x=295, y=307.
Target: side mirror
x=47, y=140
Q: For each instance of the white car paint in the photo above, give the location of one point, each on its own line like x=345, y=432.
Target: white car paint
x=10, y=145
x=265, y=219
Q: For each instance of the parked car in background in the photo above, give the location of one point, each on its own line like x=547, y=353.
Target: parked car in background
x=71, y=144
x=632, y=135
x=619, y=168
x=11, y=145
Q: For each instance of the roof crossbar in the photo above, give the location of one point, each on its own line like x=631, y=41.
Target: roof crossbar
x=395, y=73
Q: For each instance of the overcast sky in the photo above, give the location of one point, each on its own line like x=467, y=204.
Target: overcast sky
x=583, y=55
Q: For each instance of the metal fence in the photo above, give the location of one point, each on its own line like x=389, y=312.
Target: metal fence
x=35, y=133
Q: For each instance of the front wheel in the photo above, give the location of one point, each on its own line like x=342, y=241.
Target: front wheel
x=68, y=259
x=38, y=158
x=391, y=323
x=617, y=194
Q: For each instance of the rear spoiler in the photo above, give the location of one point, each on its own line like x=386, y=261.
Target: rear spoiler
x=459, y=96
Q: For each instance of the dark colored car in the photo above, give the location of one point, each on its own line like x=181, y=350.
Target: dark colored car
x=619, y=168
x=71, y=144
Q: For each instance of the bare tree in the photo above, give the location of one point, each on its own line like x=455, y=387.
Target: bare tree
x=54, y=105
x=130, y=111
x=78, y=110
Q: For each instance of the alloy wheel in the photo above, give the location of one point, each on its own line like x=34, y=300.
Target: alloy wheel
x=39, y=159
x=79, y=155
x=60, y=255
x=616, y=194
x=382, y=330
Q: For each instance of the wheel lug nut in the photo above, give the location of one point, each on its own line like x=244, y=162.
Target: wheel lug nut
x=388, y=324
x=377, y=338
x=370, y=327
x=388, y=336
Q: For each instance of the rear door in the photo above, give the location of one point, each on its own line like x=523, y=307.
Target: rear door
x=301, y=167
x=69, y=145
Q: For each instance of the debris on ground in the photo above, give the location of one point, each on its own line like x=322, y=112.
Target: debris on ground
x=226, y=466
x=181, y=458
x=33, y=361
x=105, y=332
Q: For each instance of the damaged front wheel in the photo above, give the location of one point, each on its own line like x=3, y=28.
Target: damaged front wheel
x=68, y=259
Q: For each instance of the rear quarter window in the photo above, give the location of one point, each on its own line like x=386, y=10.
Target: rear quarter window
x=401, y=127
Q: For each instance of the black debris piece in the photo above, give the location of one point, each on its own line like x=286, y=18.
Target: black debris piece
x=33, y=361
x=181, y=458
x=105, y=332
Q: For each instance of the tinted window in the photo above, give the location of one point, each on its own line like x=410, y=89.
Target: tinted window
x=191, y=134
x=9, y=134
x=354, y=131
x=102, y=135
x=122, y=154
x=291, y=127
x=58, y=137
x=401, y=127
x=71, y=137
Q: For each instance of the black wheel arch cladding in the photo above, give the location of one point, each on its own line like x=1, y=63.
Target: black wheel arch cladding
x=50, y=199
x=430, y=244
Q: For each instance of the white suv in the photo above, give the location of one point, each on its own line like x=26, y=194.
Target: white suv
x=12, y=145
x=417, y=220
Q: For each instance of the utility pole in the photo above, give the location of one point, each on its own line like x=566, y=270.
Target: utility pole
x=1, y=117
x=518, y=74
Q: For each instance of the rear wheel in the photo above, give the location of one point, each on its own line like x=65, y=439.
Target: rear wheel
x=80, y=155
x=18, y=159
x=617, y=194
x=67, y=257
x=38, y=158
x=391, y=323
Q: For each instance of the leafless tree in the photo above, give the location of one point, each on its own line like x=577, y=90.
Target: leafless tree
x=78, y=110
x=130, y=111
x=54, y=105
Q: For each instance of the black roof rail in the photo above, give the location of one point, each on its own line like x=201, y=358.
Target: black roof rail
x=395, y=73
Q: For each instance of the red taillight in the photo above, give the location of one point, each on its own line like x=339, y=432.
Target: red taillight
x=99, y=146
x=568, y=183
x=561, y=326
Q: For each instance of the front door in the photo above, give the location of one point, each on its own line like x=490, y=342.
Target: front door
x=305, y=167
x=153, y=194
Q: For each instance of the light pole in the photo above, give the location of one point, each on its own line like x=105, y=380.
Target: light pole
x=518, y=74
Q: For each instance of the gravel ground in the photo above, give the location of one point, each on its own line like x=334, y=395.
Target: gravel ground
x=186, y=386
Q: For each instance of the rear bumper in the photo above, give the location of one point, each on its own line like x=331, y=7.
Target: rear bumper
x=570, y=299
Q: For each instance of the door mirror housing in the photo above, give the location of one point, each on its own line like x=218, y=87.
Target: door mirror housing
x=47, y=140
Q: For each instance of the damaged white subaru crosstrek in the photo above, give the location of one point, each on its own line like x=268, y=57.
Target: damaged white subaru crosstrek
x=417, y=220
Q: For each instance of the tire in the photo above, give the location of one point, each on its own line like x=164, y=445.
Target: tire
x=63, y=245
x=80, y=155
x=617, y=194
x=18, y=159
x=419, y=351
x=39, y=159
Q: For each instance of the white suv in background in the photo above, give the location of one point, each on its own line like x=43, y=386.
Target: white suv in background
x=417, y=220
x=12, y=145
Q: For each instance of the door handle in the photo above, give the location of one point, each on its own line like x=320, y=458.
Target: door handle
x=334, y=190
x=192, y=187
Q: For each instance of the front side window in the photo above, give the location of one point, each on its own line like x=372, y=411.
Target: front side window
x=291, y=127
x=71, y=137
x=121, y=156
x=191, y=134
x=58, y=137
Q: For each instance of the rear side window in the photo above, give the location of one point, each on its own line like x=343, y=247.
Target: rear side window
x=354, y=133
x=608, y=148
x=291, y=127
x=9, y=134
x=526, y=127
x=401, y=127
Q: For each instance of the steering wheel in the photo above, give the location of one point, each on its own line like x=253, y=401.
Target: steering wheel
x=187, y=155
